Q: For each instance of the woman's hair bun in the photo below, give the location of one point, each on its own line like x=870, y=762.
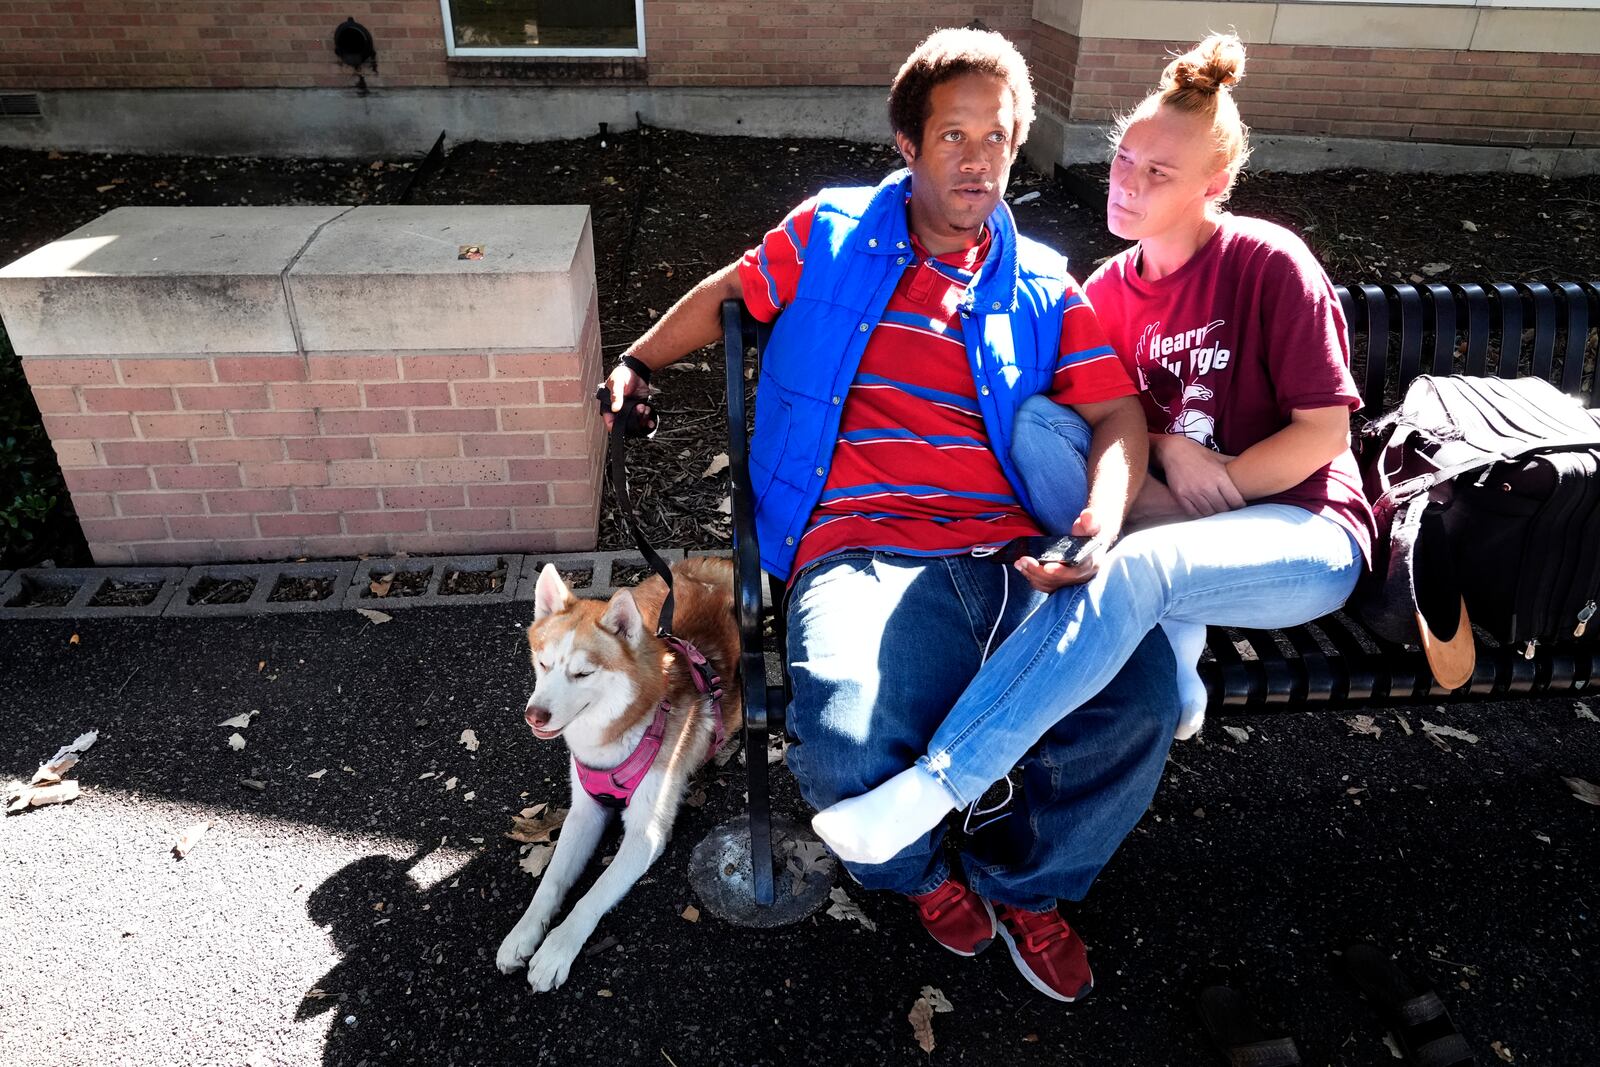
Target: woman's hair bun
x=1208, y=67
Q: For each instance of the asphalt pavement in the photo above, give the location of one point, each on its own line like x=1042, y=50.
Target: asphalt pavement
x=351, y=916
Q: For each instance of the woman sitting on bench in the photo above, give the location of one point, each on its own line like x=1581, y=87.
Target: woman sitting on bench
x=1237, y=341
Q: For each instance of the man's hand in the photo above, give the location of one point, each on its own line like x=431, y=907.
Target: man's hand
x=623, y=384
x=1048, y=577
x=1197, y=476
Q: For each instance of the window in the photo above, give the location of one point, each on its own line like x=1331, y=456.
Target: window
x=544, y=27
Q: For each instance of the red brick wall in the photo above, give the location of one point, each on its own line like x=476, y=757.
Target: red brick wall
x=200, y=459
x=1520, y=98
x=842, y=42
x=1054, y=65
x=71, y=44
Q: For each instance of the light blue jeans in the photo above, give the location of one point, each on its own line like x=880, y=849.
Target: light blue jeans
x=1264, y=566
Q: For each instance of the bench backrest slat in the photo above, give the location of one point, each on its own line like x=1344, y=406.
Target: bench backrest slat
x=1544, y=331
x=1477, y=327
x=1377, y=307
x=1443, y=304
x=1577, y=336
x=1410, y=301
x=1509, y=304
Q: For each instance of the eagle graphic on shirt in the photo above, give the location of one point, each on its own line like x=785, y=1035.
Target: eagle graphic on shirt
x=1170, y=367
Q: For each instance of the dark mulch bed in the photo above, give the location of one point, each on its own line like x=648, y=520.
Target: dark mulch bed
x=119, y=593
x=669, y=208
x=295, y=590
x=466, y=583
x=210, y=590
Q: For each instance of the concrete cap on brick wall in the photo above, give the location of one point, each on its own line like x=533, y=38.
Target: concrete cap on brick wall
x=392, y=278
x=160, y=281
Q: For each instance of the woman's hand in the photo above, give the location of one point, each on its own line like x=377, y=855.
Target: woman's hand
x=1197, y=476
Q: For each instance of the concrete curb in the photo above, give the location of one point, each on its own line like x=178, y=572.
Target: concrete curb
x=266, y=577
x=88, y=582
x=606, y=573
x=602, y=567
x=359, y=593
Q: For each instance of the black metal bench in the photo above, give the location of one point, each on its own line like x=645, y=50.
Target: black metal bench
x=1549, y=330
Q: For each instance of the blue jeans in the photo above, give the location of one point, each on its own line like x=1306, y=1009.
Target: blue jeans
x=1264, y=565
x=1050, y=448
x=880, y=647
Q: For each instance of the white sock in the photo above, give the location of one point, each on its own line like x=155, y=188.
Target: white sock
x=880, y=823
x=1188, y=641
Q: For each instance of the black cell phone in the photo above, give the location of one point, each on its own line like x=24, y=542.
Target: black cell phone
x=1070, y=549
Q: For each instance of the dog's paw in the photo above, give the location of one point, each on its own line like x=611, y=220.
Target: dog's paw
x=550, y=965
x=521, y=943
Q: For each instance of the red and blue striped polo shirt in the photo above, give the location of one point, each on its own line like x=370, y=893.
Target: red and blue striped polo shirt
x=913, y=470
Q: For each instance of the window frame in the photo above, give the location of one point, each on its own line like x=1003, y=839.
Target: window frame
x=452, y=50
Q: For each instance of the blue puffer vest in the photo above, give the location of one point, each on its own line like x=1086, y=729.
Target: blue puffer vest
x=855, y=255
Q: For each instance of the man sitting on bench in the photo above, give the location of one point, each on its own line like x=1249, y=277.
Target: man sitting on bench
x=915, y=324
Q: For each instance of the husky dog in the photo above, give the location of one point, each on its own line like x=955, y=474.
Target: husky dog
x=637, y=725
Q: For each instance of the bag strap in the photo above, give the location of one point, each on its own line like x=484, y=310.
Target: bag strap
x=1424, y=482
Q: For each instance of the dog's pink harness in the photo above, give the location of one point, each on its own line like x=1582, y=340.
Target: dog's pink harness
x=615, y=787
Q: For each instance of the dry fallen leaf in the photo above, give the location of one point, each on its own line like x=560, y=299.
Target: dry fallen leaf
x=537, y=858
x=82, y=743
x=1364, y=724
x=51, y=773
x=719, y=462
x=921, y=1019
x=1503, y=1052
x=318, y=774
x=533, y=812
x=536, y=829
x=1448, y=731
x=937, y=1000
x=190, y=838
x=1587, y=792
x=239, y=722
x=469, y=794
x=449, y=783
x=236, y=742
x=380, y=586
x=1583, y=711
x=692, y=913
x=36, y=796
x=469, y=739
x=376, y=617
x=845, y=908
x=1238, y=733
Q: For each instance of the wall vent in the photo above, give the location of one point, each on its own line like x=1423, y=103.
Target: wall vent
x=19, y=105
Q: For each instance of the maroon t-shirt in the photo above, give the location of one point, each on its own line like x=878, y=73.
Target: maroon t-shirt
x=1226, y=346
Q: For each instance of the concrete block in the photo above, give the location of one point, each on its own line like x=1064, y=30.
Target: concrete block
x=434, y=594
x=87, y=584
x=604, y=570
x=266, y=576
x=389, y=279
x=165, y=281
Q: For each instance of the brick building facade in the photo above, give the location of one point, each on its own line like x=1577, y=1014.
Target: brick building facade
x=1465, y=72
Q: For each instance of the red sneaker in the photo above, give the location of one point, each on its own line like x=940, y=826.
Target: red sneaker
x=958, y=918
x=1048, y=952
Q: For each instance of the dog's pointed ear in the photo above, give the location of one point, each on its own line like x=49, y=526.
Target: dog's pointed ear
x=550, y=593
x=622, y=617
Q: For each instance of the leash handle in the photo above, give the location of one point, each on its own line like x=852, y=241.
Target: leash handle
x=619, y=485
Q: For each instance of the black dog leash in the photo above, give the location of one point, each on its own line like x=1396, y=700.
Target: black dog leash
x=631, y=422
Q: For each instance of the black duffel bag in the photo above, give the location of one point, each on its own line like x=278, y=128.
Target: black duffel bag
x=1486, y=493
